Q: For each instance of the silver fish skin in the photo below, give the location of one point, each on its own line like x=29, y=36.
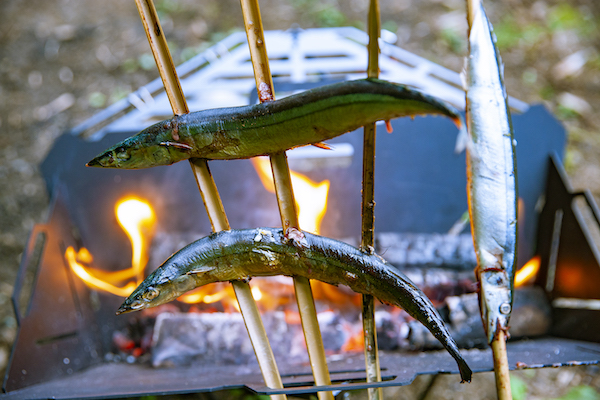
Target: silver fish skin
x=491, y=177
x=242, y=254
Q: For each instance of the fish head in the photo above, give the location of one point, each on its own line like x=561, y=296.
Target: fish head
x=151, y=147
x=162, y=286
x=144, y=296
x=172, y=279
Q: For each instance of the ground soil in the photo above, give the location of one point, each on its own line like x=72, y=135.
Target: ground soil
x=61, y=61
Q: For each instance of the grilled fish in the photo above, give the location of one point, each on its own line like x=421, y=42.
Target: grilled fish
x=267, y=128
x=242, y=254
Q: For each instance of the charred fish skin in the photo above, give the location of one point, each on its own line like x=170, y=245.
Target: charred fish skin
x=242, y=254
x=243, y=132
x=492, y=179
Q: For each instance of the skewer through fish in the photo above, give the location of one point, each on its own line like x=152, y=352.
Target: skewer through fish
x=242, y=254
x=492, y=177
x=272, y=127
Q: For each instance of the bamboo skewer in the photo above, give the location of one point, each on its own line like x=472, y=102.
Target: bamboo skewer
x=285, y=196
x=501, y=367
x=501, y=370
x=210, y=195
x=368, y=207
x=162, y=56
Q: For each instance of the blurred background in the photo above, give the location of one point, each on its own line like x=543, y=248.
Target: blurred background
x=61, y=61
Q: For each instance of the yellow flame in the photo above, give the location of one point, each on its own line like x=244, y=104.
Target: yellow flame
x=256, y=293
x=311, y=197
x=528, y=271
x=137, y=219
x=92, y=281
x=208, y=294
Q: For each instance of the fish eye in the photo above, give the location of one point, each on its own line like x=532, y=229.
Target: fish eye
x=122, y=154
x=151, y=294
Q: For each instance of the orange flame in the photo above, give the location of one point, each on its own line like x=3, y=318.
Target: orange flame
x=355, y=343
x=137, y=219
x=220, y=291
x=311, y=197
x=213, y=293
x=527, y=272
x=75, y=262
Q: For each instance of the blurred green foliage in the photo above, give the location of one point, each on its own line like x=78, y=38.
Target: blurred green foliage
x=120, y=92
x=146, y=62
x=97, y=99
x=581, y=392
x=324, y=13
x=518, y=388
x=512, y=33
x=455, y=42
x=566, y=17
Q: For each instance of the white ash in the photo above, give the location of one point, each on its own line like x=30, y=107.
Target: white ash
x=531, y=316
x=218, y=338
x=427, y=250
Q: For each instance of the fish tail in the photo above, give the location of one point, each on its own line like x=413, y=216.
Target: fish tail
x=465, y=371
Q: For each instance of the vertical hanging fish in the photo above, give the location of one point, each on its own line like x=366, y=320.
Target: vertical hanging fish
x=491, y=175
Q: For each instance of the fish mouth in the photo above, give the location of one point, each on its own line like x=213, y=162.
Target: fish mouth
x=94, y=163
x=122, y=310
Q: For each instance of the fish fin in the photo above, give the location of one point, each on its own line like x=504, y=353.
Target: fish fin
x=199, y=270
x=177, y=145
x=465, y=371
x=322, y=145
x=388, y=126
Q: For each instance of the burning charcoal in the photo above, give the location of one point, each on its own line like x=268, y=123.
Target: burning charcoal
x=531, y=316
x=332, y=330
x=465, y=320
x=123, y=342
x=427, y=250
x=216, y=338
x=392, y=330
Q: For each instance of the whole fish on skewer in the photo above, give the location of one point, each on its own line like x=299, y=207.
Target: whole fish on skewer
x=491, y=176
x=242, y=254
x=261, y=129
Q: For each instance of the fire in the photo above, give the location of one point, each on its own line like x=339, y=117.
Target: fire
x=528, y=271
x=137, y=219
x=311, y=197
x=356, y=341
x=209, y=294
x=220, y=291
x=75, y=260
x=311, y=203
x=256, y=293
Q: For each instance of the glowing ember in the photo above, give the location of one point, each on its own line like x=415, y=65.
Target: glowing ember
x=527, y=272
x=356, y=342
x=137, y=219
x=311, y=197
